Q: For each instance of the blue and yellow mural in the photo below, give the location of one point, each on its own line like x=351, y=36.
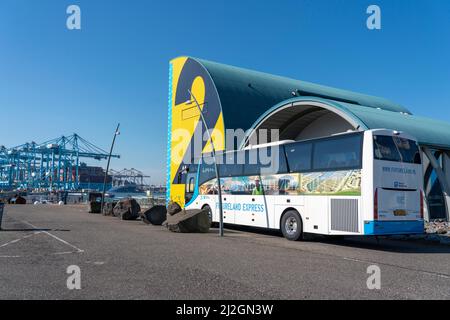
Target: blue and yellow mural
x=187, y=76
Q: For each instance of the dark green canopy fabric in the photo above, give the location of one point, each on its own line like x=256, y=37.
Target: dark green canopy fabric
x=429, y=132
x=253, y=93
x=246, y=96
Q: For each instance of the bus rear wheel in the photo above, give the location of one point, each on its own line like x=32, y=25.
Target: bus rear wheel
x=292, y=226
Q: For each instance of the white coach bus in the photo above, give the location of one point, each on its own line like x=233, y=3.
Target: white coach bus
x=357, y=183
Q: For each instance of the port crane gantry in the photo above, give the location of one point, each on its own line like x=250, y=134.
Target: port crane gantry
x=129, y=176
x=52, y=165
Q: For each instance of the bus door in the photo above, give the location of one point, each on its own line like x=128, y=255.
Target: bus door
x=230, y=171
x=251, y=204
x=252, y=211
x=228, y=207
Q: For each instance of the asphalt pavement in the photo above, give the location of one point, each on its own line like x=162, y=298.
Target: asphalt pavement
x=131, y=260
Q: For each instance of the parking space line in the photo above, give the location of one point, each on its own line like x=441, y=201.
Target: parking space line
x=435, y=274
x=78, y=250
x=17, y=240
x=66, y=252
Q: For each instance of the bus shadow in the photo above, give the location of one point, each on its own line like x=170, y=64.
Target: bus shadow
x=263, y=231
x=370, y=243
x=388, y=245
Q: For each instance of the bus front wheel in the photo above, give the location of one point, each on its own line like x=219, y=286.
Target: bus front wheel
x=292, y=226
x=208, y=209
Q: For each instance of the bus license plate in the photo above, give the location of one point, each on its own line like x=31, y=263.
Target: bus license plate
x=399, y=213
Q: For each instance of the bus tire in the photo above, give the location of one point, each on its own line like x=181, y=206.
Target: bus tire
x=208, y=208
x=292, y=226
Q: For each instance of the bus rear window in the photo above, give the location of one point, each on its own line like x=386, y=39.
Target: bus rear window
x=392, y=148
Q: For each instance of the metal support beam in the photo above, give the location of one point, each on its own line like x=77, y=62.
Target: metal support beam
x=446, y=168
x=443, y=179
x=116, y=133
x=216, y=167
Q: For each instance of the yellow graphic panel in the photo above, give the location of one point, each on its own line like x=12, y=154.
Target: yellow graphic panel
x=185, y=121
x=217, y=137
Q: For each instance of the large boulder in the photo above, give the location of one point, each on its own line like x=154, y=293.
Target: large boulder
x=127, y=209
x=108, y=208
x=189, y=221
x=95, y=207
x=173, y=208
x=155, y=215
x=17, y=200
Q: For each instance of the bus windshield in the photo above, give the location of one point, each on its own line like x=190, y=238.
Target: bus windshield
x=392, y=148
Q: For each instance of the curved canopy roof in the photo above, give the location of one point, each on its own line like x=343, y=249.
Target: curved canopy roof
x=429, y=132
x=236, y=97
x=256, y=92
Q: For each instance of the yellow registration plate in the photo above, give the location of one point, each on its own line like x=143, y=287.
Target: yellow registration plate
x=400, y=213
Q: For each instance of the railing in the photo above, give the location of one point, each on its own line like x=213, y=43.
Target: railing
x=82, y=198
x=147, y=203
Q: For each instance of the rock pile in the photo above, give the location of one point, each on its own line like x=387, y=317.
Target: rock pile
x=187, y=221
x=94, y=207
x=155, y=215
x=108, y=208
x=173, y=208
x=437, y=227
x=127, y=209
x=17, y=200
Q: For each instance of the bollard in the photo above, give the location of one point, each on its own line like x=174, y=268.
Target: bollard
x=2, y=207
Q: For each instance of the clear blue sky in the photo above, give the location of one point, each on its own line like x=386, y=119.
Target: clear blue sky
x=54, y=81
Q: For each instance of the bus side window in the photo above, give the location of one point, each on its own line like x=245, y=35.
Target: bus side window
x=251, y=165
x=299, y=156
x=229, y=165
x=207, y=170
x=338, y=153
x=191, y=185
x=191, y=177
x=270, y=160
x=182, y=174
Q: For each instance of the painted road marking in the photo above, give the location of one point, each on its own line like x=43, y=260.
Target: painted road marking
x=78, y=250
x=66, y=252
x=435, y=274
x=17, y=240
